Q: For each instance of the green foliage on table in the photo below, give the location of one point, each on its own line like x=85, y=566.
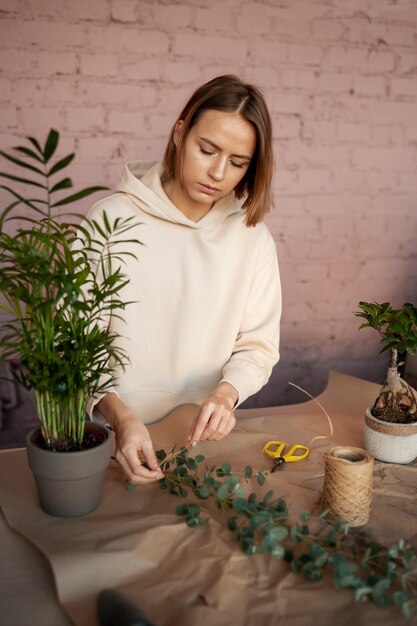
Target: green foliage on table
x=59, y=282
x=397, y=327
x=311, y=545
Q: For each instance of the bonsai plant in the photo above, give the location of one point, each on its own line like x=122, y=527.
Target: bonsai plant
x=396, y=404
x=59, y=282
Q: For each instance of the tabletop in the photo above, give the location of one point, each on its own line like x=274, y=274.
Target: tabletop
x=51, y=569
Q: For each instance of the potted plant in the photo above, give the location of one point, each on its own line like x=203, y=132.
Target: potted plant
x=391, y=424
x=59, y=281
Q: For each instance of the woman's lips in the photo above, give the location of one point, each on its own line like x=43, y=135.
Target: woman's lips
x=207, y=189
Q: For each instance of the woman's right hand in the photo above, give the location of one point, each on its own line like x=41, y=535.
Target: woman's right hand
x=132, y=440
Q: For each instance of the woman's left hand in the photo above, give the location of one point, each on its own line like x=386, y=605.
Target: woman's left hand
x=215, y=418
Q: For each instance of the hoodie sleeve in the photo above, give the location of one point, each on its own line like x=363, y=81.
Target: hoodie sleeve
x=257, y=345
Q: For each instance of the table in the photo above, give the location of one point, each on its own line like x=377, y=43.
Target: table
x=135, y=543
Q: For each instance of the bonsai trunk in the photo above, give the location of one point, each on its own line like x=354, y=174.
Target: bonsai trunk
x=397, y=401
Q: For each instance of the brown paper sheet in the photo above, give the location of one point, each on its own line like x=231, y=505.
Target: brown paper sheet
x=134, y=541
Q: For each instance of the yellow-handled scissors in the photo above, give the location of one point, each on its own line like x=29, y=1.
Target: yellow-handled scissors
x=275, y=449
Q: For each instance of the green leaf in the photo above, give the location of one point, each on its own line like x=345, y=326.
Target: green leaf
x=65, y=183
x=50, y=144
x=199, y=458
x=25, y=181
x=182, y=509
x=226, y=467
x=29, y=153
x=277, y=552
x=21, y=163
x=61, y=164
x=202, y=492
x=78, y=196
x=248, y=471
x=35, y=143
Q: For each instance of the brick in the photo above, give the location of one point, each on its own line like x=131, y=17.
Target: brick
x=5, y=89
x=117, y=93
x=312, y=180
x=408, y=62
x=394, y=34
x=9, y=6
x=41, y=34
x=268, y=50
x=329, y=29
x=160, y=125
x=126, y=122
x=116, y=38
x=382, y=182
x=44, y=91
x=210, y=47
x=391, y=159
x=369, y=85
x=8, y=117
x=174, y=16
x=41, y=117
x=16, y=61
x=381, y=61
x=385, y=112
x=262, y=76
x=171, y=100
x=99, y=64
x=296, y=29
x=404, y=86
x=217, y=18
x=140, y=69
x=334, y=82
x=299, y=79
x=288, y=103
x=56, y=63
x=411, y=134
x=286, y=126
x=346, y=179
x=304, y=55
x=345, y=271
x=101, y=148
x=85, y=118
x=351, y=132
x=408, y=182
x=346, y=58
x=319, y=130
x=181, y=72
x=124, y=10
x=337, y=203
x=388, y=135
x=252, y=20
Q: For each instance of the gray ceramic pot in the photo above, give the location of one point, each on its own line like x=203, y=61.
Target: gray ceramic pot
x=70, y=484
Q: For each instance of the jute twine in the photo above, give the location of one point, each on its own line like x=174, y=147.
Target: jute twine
x=347, y=488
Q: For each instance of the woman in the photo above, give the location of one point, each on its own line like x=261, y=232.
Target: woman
x=204, y=327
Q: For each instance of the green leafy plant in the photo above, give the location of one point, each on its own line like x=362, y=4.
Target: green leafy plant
x=397, y=401
x=59, y=282
x=310, y=545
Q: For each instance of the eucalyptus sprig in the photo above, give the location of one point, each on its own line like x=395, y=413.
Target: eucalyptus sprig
x=311, y=545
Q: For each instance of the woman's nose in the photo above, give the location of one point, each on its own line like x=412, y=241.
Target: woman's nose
x=217, y=169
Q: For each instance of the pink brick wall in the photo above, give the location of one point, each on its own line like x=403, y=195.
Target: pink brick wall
x=341, y=82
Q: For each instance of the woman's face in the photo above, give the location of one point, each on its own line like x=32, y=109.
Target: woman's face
x=217, y=153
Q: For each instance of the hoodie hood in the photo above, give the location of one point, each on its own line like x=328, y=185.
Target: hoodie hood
x=141, y=182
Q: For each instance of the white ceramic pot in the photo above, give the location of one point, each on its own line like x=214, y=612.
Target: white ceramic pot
x=390, y=442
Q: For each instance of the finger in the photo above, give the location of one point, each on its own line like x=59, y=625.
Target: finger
x=141, y=475
x=212, y=426
x=150, y=457
x=225, y=427
x=202, y=419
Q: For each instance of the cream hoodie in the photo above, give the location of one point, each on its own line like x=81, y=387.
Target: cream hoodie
x=207, y=299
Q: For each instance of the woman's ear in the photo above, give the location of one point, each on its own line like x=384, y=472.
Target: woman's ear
x=178, y=131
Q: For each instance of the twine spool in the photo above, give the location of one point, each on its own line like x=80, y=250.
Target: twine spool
x=347, y=488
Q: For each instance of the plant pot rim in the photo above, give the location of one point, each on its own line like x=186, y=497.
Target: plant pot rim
x=73, y=453
x=389, y=427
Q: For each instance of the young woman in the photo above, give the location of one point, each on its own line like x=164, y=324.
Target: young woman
x=204, y=327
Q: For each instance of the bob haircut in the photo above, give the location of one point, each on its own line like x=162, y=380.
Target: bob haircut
x=229, y=94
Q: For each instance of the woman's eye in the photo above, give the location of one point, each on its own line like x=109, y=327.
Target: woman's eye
x=206, y=151
x=239, y=165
